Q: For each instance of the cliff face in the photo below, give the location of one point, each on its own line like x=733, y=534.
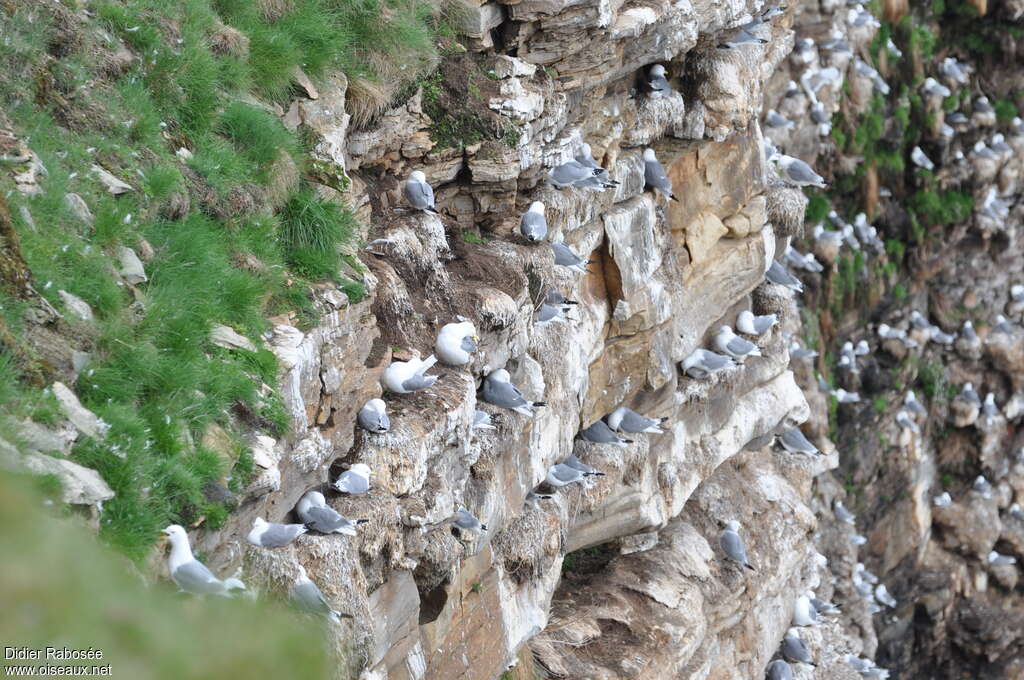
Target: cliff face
x=623, y=576
x=647, y=591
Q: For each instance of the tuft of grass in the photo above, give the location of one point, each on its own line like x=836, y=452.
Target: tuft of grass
x=818, y=207
x=311, y=230
x=943, y=208
x=258, y=135
x=932, y=376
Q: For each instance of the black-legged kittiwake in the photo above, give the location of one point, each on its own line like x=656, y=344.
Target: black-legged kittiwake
x=499, y=390
x=600, y=433
x=823, y=607
x=555, y=297
x=904, y=420
x=547, y=314
x=406, y=377
x=560, y=475
x=657, y=83
x=794, y=441
x=318, y=516
x=373, y=417
x=982, y=486
x=655, y=177
x=574, y=462
x=188, y=573
x=998, y=559
x=844, y=515
x=732, y=544
x=778, y=275
x=954, y=71
x=355, y=481
x=844, y=397
x=779, y=670
x=419, y=194
x=456, y=343
x=797, y=172
x=942, y=500
x=624, y=419
x=566, y=258
x=804, y=614
x=793, y=648
x=533, y=225
x=747, y=323
x=273, y=535
x=482, y=421
x=989, y=409
x=741, y=39
x=774, y=119
x=799, y=353
x=920, y=159
x=308, y=598
x=736, y=347
x=570, y=173
x=883, y=596
x=600, y=180
x=702, y=363
x=467, y=522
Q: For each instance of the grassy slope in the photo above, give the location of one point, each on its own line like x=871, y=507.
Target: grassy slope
x=235, y=231
x=65, y=590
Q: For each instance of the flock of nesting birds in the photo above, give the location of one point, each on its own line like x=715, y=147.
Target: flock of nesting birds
x=456, y=342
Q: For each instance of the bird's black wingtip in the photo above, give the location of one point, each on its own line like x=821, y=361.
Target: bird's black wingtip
x=750, y=567
x=362, y=521
x=540, y=403
x=673, y=198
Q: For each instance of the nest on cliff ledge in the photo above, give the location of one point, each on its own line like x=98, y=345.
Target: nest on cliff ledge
x=528, y=545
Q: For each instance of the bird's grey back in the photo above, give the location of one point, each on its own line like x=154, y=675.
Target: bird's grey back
x=195, y=577
x=502, y=394
x=307, y=597
x=733, y=546
x=277, y=535
x=350, y=482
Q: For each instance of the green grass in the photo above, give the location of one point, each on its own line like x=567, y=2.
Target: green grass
x=223, y=251
x=932, y=376
x=941, y=208
x=818, y=207
x=310, y=231
x=143, y=632
x=880, y=404
x=1006, y=110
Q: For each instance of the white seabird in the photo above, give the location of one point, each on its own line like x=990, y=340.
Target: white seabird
x=533, y=225
x=419, y=194
x=456, y=343
x=355, y=481
x=406, y=377
x=373, y=417
x=273, y=535
x=188, y=573
x=499, y=390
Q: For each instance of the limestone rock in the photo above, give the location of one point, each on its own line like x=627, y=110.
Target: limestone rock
x=113, y=184
x=78, y=307
x=228, y=338
x=130, y=267
x=87, y=422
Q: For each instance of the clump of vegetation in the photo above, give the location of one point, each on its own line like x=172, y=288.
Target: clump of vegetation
x=229, y=233
x=941, y=208
x=311, y=230
x=932, y=376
